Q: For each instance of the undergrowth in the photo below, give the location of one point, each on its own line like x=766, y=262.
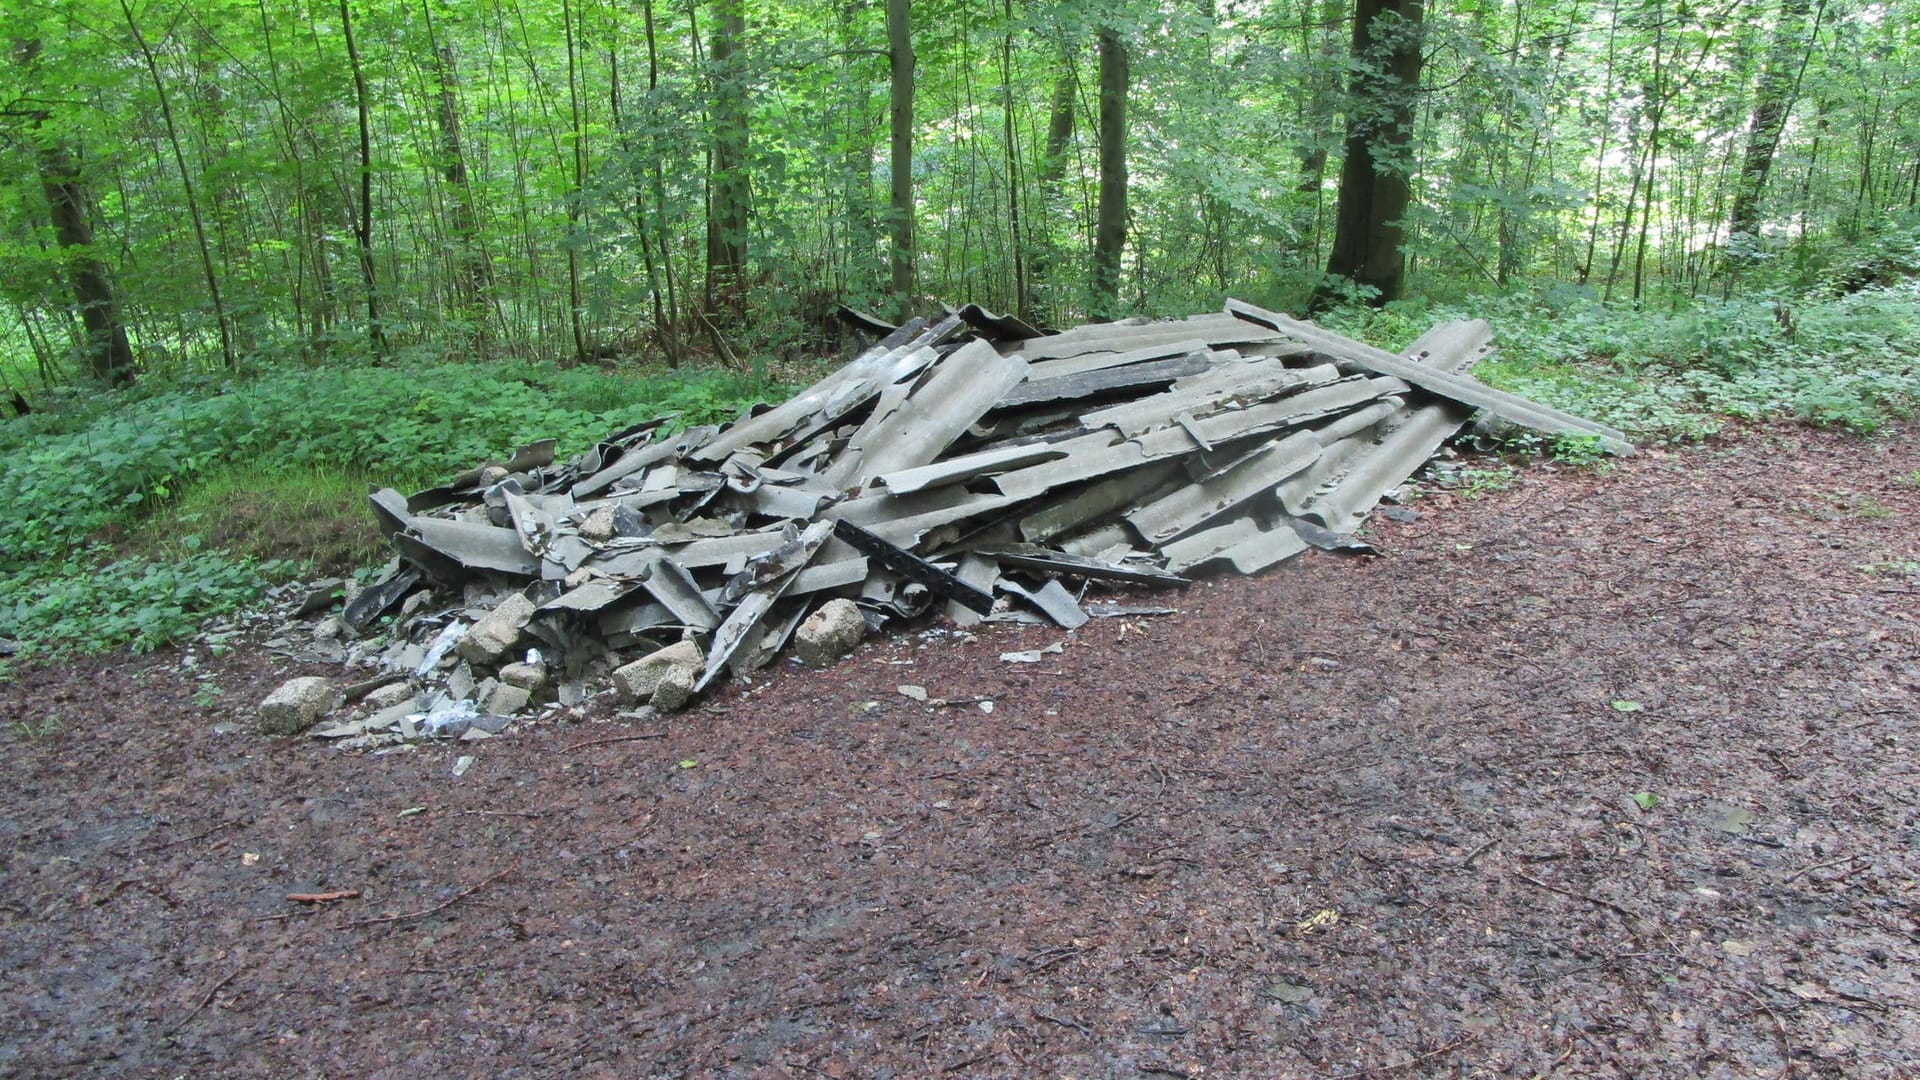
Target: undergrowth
x=1679, y=375
x=129, y=517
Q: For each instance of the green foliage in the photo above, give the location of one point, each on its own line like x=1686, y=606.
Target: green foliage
x=134, y=602
x=210, y=485
x=1677, y=375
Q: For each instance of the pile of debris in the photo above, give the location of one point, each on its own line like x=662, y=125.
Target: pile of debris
x=975, y=463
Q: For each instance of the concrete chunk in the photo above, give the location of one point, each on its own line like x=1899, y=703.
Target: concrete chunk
x=525, y=676
x=296, y=705
x=505, y=700
x=674, y=689
x=638, y=680
x=493, y=636
x=829, y=633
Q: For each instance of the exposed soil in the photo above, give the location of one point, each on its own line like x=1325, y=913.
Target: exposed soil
x=1359, y=817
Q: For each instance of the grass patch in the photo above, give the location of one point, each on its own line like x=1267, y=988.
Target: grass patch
x=128, y=518
x=1678, y=373
x=314, y=517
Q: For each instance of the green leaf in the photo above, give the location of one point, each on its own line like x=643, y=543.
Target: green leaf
x=1646, y=800
x=1623, y=705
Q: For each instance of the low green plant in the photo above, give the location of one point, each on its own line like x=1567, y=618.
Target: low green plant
x=206, y=694
x=1892, y=568
x=1475, y=483
x=44, y=728
x=130, y=517
x=134, y=602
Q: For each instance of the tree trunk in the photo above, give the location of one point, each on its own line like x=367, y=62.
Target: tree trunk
x=1061, y=114
x=108, y=355
x=363, y=223
x=1110, y=229
x=900, y=115
x=1773, y=100
x=576, y=194
x=1375, y=177
x=1022, y=304
x=727, y=218
x=470, y=273
x=186, y=183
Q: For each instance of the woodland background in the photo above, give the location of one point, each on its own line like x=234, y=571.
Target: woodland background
x=322, y=244
x=578, y=179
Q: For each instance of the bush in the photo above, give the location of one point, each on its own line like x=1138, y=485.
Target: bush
x=93, y=467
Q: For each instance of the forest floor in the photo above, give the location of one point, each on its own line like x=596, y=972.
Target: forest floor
x=1598, y=774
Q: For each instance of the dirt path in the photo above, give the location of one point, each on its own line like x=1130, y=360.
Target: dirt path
x=1355, y=818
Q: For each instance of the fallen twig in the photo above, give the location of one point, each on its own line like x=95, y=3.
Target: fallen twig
x=1588, y=897
x=323, y=897
x=1063, y=1021
x=199, y=835
x=1805, y=870
x=207, y=1000
x=437, y=908
x=1779, y=1028
x=612, y=740
x=1378, y=1070
x=1477, y=852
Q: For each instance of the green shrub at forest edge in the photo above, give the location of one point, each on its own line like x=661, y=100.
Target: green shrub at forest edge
x=108, y=503
x=80, y=481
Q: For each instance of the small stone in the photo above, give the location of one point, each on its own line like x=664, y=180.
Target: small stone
x=524, y=676
x=636, y=681
x=493, y=636
x=505, y=700
x=598, y=525
x=296, y=705
x=829, y=633
x=386, y=697
x=460, y=682
x=674, y=689
x=331, y=628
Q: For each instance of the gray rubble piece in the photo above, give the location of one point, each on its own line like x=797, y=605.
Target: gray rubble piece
x=506, y=699
x=1106, y=455
x=497, y=634
x=526, y=676
x=675, y=689
x=829, y=633
x=296, y=705
x=636, y=681
x=386, y=697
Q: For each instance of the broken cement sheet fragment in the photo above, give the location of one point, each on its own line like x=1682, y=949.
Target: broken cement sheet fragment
x=1196, y=504
x=967, y=466
x=959, y=391
x=912, y=567
x=443, y=642
x=1126, y=611
x=745, y=618
x=981, y=573
x=444, y=718
x=1103, y=452
x=375, y=599
x=1032, y=656
x=1048, y=561
x=1244, y=543
x=1053, y=600
x=1095, y=384
x=1461, y=388
x=898, y=356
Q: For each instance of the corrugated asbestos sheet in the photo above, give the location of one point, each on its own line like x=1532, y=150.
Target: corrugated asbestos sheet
x=972, y=462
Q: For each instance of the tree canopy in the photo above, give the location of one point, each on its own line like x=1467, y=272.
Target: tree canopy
x=573, y=178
